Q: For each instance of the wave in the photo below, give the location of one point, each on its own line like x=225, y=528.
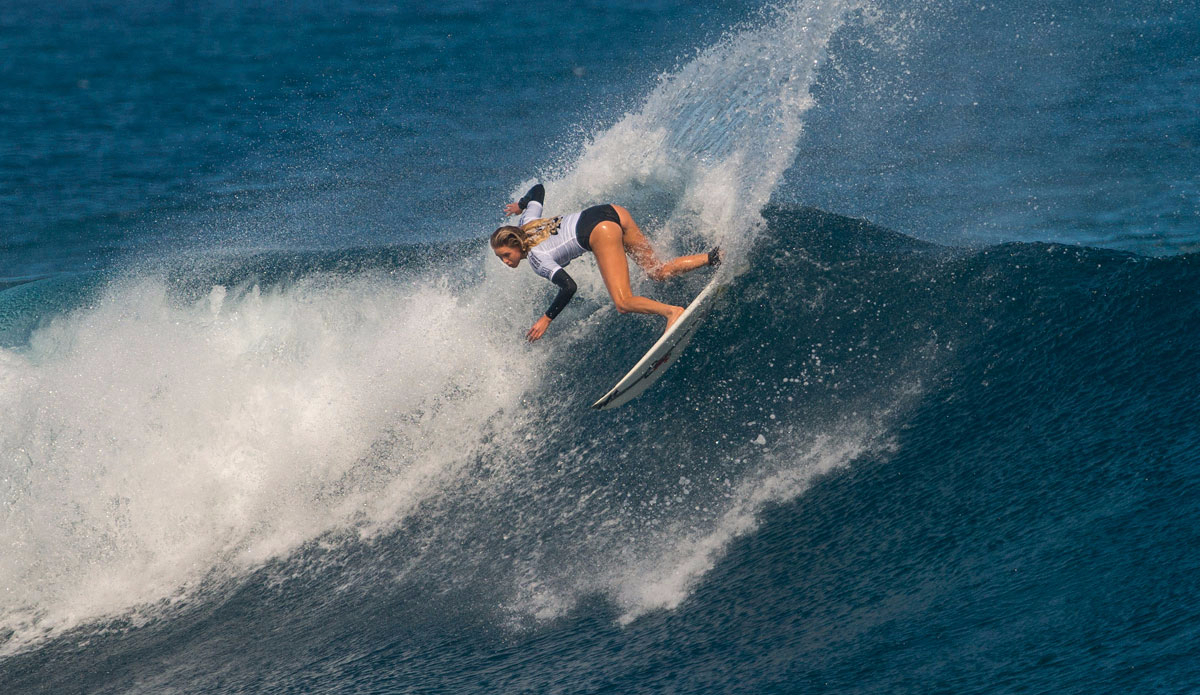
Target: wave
x=165, y=442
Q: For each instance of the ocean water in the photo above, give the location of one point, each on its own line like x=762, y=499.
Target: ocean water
x=268, y=422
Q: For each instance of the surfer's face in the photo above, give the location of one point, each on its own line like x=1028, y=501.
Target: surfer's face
x=511, y=257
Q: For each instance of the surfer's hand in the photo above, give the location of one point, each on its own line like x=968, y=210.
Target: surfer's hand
x=512, y=209
x=538, y=329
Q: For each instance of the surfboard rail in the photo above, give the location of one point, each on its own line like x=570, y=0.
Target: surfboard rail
x=664, y=352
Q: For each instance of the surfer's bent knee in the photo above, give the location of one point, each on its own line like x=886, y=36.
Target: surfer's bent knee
x=656, y=274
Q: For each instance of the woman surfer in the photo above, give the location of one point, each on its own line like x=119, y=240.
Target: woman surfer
x=609, y=232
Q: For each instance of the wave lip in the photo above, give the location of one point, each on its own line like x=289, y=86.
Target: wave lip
x=709, y=145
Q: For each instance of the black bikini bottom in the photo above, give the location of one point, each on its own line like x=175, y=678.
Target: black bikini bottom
x=588, y=219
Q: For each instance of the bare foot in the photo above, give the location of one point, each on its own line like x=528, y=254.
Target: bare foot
x=676, y=312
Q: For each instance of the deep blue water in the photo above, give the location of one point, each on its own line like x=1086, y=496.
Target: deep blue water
x=269, y=423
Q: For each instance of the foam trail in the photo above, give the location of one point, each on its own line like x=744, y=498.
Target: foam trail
x=646, y=560
x=667, y=577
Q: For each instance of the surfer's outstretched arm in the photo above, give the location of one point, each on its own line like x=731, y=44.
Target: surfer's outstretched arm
x=566, y=290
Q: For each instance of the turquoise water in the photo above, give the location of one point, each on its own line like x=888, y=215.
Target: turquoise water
x=270, y=425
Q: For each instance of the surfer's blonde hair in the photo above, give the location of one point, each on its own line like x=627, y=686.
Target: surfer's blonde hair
x=527, y=235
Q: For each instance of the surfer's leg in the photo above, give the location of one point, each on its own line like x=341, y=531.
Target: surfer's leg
x=606, y=243
x=637, y=246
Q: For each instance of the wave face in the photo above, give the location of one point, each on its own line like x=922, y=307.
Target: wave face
x=1020, y=420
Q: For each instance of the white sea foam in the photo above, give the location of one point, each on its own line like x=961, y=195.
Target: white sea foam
x=150, y=444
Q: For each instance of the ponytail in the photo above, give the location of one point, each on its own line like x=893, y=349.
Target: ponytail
x=509, y=236
x=527, y=235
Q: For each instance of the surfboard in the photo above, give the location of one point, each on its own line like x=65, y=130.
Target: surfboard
x=664, y=352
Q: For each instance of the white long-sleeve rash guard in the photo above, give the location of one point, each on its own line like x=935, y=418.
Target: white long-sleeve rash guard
x=548, y=258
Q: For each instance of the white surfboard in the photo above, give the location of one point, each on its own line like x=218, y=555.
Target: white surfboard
x=668, y=348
